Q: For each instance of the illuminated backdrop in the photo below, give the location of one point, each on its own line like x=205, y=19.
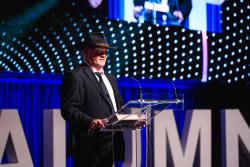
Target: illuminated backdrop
x=44, y=41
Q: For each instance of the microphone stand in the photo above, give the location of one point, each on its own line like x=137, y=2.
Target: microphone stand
x=148, y=127
x=175, y=91
x=149, y=159
x=140, y=89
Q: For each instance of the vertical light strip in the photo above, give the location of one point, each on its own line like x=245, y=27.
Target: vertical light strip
x=204, y=56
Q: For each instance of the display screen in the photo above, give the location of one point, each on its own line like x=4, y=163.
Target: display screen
x=42, y=37
x=198, y=15
x=202, y=15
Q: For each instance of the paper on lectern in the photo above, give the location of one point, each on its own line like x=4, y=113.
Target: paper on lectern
x=123, y=119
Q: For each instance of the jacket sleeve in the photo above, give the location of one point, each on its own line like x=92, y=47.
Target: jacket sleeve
x=185, y=7
x=71, y=98
x=139, y=2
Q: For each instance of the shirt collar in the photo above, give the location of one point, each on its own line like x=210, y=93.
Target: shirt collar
x=95, y=70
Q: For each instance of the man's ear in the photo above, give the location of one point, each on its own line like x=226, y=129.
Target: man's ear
x=87, y=57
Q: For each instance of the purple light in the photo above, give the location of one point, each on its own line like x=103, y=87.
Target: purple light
x=205, y=57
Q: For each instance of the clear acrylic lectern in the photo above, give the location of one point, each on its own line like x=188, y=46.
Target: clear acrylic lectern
x=136, y=114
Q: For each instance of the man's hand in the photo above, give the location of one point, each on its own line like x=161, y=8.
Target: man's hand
x=140, y=124
x=179, y=14
x=96, y=124
x=95, y=3
x=138, y=11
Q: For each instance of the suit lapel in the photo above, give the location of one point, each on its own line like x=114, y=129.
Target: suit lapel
x=94, y=80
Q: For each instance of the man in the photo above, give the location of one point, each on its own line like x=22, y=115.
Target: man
x=85, y=105
x=169, y=12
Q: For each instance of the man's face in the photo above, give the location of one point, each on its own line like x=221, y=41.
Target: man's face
x=96, y=57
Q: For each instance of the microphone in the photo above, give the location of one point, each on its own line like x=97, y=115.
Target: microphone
x=140, y=89
x=172, y=84
x=175, y=91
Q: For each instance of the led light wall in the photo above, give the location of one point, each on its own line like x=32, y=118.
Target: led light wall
x=151, y=51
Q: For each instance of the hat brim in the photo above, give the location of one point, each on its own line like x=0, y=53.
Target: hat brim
x=85, y=45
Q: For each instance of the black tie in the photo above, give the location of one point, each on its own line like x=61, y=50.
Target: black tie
x=104, y=89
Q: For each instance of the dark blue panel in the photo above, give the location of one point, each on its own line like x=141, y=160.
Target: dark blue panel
x=213, y=18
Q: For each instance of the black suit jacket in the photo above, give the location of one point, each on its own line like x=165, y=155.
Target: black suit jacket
x=184, y=6
x=83, y=100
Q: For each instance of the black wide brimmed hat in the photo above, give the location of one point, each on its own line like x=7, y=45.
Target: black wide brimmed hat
x=95, y=40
